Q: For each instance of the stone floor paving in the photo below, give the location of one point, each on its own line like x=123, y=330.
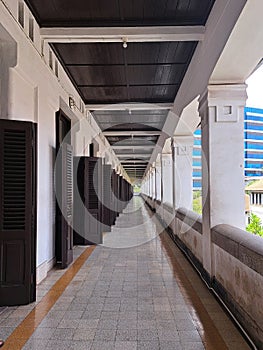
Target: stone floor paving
x=126, y=298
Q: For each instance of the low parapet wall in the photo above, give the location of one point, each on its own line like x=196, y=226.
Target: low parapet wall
x=238, y=276
x=237, y=263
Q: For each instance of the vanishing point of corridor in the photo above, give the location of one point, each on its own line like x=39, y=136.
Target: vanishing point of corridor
x=136, y=292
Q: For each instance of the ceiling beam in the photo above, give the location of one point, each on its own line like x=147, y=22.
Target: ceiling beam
x=135, y=171
x=131, y=146
x=130, y=155
x=128, y=162
x=121, y=34
x=131, y=133
x=132, y=166
x=129, y=107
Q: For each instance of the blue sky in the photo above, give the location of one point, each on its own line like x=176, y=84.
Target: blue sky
x=255, y=89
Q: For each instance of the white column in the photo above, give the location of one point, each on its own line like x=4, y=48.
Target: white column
x=143, y=186
x=153, y=183
x=167, y=177
x=182, y=150
x=158, y=177
x=222, y=111
x=150, y=183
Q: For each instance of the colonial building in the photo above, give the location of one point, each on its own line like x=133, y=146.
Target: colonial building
x=94, y=97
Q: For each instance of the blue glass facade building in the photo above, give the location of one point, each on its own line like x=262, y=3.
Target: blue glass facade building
x=253, y=142
x=197, y=162
x=253, y=147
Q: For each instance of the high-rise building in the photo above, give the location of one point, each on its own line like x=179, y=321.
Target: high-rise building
x=197, y=161
x=253, y=147
x=253, y=142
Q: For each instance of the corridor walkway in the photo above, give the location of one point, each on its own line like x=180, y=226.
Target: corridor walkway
x=143, y=296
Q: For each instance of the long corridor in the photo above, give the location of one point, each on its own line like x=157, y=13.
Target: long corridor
x=136, y=292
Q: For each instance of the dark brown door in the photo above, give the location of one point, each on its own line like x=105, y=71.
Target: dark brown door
x=67, y=205
x=64, y=192
x=92, y=194
x=107, y=204
x=79, y=233
x=114, y=188
x=17, y=212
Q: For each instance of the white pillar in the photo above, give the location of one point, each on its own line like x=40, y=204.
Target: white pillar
x=153, y=183
x=167, y=178
x=182, y=150
x=158, y=178
x=148, y=184
x=222, y=111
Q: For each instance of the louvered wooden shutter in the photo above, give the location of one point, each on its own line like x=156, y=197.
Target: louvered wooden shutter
x=92, y=200
x=113, y=198
x=107, y=213
x=17, y=212
x=93, y=217
x=79, y=202
x=67, y=204
x=14, y=180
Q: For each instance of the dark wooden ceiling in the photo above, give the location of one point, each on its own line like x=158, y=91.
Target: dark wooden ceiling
x=123, y=139
x=150, y=119
x=143, y=72
x=107, y=73
x=119, y=13
x=134, y=151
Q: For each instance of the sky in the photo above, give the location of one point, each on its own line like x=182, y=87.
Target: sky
x=255, y=89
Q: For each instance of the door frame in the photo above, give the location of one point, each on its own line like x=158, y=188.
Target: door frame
x=61, y=133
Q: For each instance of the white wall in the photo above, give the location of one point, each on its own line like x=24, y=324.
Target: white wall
x=35, y=94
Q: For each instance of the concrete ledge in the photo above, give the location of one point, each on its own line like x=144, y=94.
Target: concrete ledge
x=190, y=218
x=240, y=314
x=244, y=246
x=168, y=207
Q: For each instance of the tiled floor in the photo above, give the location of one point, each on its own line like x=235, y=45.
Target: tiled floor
x=141, y=296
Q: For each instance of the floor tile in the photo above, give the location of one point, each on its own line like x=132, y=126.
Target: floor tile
x=125, y=345
x=125, y=299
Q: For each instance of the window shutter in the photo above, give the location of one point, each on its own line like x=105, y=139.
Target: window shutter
x=17, y=212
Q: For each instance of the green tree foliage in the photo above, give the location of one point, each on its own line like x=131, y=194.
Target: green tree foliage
x=196, y=194
x=197, y=202
x=255, y=225
x=136, y=189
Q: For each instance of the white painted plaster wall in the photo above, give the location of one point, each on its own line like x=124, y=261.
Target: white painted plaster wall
x=35, y=94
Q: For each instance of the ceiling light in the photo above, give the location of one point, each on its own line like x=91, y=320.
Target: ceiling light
x=124, y=43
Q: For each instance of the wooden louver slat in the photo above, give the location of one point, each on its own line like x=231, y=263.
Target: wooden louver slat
x=14, y=179
x=93, y=185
